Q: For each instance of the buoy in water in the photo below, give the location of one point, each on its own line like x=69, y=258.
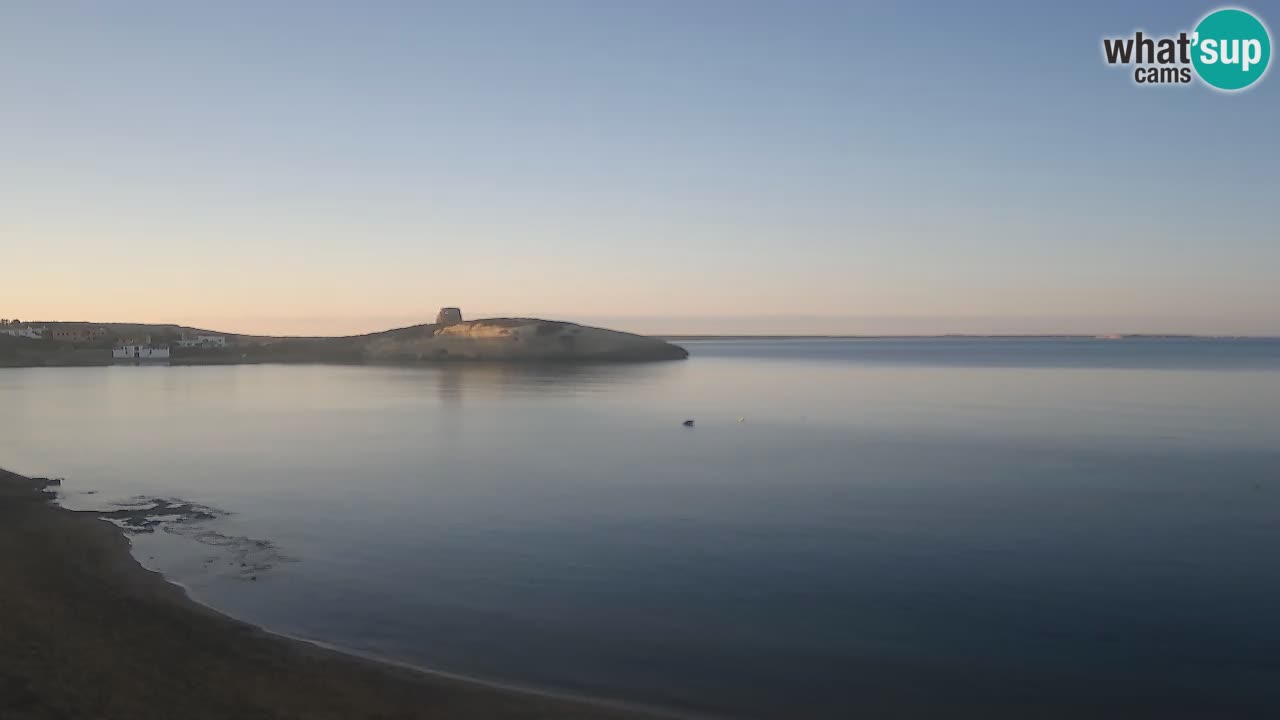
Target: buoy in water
x=688, y=423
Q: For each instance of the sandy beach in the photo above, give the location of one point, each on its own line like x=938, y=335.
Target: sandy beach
x=87, y=632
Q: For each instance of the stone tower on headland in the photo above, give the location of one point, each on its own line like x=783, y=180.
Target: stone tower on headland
x=449, y=316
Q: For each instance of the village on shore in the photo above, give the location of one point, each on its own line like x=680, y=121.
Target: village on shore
x=127, y=345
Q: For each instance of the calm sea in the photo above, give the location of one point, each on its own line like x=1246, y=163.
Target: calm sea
x=1003, y=528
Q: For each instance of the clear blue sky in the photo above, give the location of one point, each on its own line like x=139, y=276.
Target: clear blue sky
x=657, y=166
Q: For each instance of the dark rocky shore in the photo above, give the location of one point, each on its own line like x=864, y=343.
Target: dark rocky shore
x=86, y=632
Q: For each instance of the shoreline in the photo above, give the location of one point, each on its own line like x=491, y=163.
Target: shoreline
x=639, y=711
x=90, y=632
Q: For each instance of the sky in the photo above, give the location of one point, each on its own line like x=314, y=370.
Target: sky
x=659, y=167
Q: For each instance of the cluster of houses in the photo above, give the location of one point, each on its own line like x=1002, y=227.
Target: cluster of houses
x=26, y=331
x=204, y=341
x=60, y=333
x=140, y=347
x=128, y=347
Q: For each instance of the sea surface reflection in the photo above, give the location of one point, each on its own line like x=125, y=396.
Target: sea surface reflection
x=878, y=526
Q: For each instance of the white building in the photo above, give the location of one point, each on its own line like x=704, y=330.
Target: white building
x=26, y=331
x=205, y=341
x=140, y=352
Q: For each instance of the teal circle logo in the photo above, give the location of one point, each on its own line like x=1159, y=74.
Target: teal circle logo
x=1231, y=49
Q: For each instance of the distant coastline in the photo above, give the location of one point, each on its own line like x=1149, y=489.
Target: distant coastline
x=966, y=336
x=449, y=339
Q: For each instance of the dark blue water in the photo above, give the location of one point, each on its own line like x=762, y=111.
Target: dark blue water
x=877, y=528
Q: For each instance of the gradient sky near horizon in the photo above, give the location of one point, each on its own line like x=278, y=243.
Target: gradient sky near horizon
x=738, y=167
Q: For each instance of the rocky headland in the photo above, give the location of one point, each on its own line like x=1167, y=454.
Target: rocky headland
x=448, y=339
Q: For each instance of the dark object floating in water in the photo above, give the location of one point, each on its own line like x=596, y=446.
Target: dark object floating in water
x=688, y=423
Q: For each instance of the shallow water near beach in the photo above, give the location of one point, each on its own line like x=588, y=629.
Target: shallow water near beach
x=851, y=525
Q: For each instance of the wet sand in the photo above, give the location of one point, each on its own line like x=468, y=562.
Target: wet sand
x=86, y=632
